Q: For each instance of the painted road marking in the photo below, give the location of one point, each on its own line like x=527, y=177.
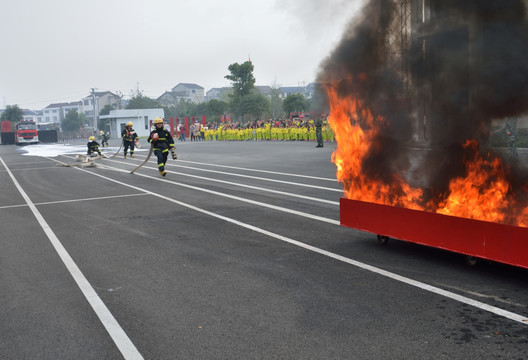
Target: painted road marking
x=118, y=335
x=262, y=171
x=261, y=178
x=433, y=289
x=72, y=200
x=244, y=185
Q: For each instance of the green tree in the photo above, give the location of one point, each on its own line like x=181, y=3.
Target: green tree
x=200, y=109
x=242, y=78
x=275, y=103
x=185, y=108
x=106, y=110
x=102, y=124
x=294, y=102
x=253, y=106
x=12, y=113
x=216, y=108
x=170, y=111
x=140, y=101
x=72, y=121
x=85, y=121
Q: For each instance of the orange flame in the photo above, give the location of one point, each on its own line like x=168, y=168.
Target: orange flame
x=355, y=129
x=483, y=194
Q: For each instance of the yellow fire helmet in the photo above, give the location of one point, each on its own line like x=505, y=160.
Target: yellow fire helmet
x=91, y=138
x=158, y=121
x=130, y=124
x=101, y=132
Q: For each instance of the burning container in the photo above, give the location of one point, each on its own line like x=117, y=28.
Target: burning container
x=432, y=75
x=475, y=238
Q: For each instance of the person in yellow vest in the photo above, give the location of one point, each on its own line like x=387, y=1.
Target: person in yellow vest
x=280, y=133
x=247, y=133
x=311, y=133
x=273, y=133
x=304, y=133
x=267, y=133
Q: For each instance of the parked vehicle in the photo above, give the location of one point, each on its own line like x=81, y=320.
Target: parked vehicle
x=26, y=132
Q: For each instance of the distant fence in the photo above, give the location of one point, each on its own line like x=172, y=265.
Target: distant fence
x=48, y=136
x=8, y=138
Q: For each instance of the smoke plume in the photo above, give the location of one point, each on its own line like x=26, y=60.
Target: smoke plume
x=467, y=63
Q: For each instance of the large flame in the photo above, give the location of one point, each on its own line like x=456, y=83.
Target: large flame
x=355, y=129
x=482, y=194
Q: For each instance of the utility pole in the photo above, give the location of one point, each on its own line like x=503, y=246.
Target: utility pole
x=94, y=123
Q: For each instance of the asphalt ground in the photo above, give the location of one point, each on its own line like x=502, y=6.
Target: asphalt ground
x=236, y=254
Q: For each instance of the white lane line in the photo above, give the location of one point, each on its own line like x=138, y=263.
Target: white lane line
x=274, y=207
x=72, y=200
x=120, y=338
x=250, y=186
x=33, y=168
x=88, y=199
x=12, y=206
x=465, y=300
x=259, y=178
x=262, y=171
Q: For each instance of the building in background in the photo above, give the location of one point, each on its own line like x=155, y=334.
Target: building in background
x=101, y=99
x=140, y=119
x=182, y=91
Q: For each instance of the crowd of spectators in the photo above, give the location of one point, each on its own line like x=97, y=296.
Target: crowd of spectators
x=297, y=129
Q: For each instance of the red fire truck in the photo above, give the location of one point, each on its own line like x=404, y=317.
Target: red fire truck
x=26, y=132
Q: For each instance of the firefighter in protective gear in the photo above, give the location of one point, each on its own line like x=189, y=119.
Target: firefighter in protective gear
x=130, y=137
x=104, y=138
x=93, y=146
x=162, y=142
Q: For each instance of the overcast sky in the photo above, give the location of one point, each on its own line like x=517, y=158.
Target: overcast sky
x=57, y=50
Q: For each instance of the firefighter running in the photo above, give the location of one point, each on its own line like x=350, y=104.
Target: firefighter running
x=129, y=136
x=162, y=142
x=93, y=147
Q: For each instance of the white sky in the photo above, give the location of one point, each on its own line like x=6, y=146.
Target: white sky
x=57, y=50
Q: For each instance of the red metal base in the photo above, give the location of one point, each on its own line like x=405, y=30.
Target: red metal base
x=497, y=242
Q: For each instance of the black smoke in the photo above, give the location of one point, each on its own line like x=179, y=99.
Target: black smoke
x=467, y=64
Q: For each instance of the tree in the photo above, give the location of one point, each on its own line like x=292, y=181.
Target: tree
x=200, y=109
x=253, y=105
x=12, y=113
x=216, y=108
x=72, y=121
x=294, y=102
x=275, y=103
x=242, y=78
x=243, y=83
x=120, y=96
x=85, y=121
x=103, y=123
x=106, y=110
x=185, y=108
x=140, y=101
